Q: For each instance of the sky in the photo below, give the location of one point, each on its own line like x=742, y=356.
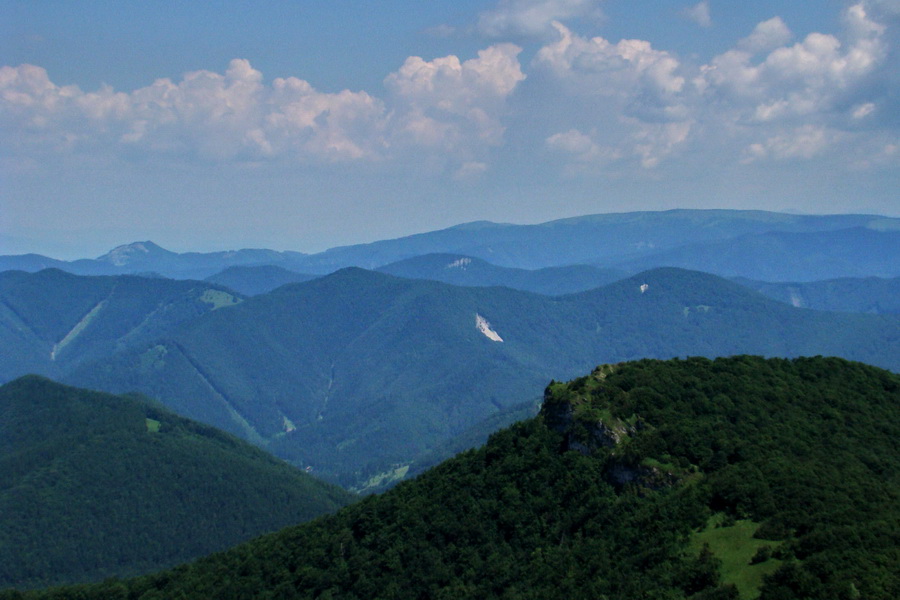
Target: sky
x=303, y=125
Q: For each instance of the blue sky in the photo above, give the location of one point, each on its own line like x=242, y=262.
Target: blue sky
x=308, y=124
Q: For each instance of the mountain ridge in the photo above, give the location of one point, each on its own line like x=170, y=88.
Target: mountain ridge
x=610, y=240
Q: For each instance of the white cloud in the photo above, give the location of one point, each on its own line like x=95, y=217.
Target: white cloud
x=533, y=17
x=863, y=110
x=766, y=36
x=581, y=148
x=699, y=14
x=649, y=143
x=812, y=78
x=643, y=88
x=653, y=142
x=470, y=170
x=598, y=66
x=801, y=143
x=765, y=99
x=444, y=103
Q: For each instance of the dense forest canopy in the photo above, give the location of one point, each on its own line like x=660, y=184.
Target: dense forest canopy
x=636, y=481
x=94, y=485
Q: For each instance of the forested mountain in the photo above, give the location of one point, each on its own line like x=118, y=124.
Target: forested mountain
x=456, y=269
x=724, y=479
x=787, y=256
x=55, y=320
x=771, y=247
x=94, y=485
x=868, y=295
x=359, y=373
x=255, y=280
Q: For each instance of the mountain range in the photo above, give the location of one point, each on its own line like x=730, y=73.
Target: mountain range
x=359, y=374
x=753, y=244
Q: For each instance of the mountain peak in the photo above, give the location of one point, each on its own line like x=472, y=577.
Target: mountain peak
x=128, y=253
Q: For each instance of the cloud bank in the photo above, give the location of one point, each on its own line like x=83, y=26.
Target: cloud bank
x=770, y=97
x=444, y=104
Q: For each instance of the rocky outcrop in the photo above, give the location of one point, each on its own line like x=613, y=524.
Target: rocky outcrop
x=587, y=436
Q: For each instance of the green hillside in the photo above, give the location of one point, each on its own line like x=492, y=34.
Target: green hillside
x=57, y=320
x=359, y=373
x=94, y=485
x=724, y=479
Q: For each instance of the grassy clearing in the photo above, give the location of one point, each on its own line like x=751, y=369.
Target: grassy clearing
x=735, y=546
x=152, y=425
x=218, y=298
x=381, y=479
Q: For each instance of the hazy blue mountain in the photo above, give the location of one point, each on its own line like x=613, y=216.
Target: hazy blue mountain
x=788, y=256
x=255, y=280
x=55, y=320
x=147, y=257
x=865, y=295
x=608, y=240
x=467, y=271
x=604, y=239
x=709, y=480
x=358, y=371
x=94, y=485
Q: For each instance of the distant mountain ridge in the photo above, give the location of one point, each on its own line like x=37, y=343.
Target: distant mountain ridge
x=863, y=295
x=457, y=269
x=146, y=257
x=725, y=242
x=253, y=280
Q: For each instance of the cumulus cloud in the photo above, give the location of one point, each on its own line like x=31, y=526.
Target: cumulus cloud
x=798, y=96
x=442, y=103
x=605, y=68
x=766, y=36
x=445, y=101
x=768, y=98
x=699, y=14
x=803, y=142
x=212, y=115
x=533, y=18
x=581, y=148
x=645, y=87
x=594, y=102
